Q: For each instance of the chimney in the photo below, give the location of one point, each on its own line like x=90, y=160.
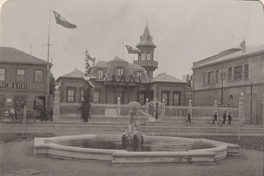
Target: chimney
x=243, y=45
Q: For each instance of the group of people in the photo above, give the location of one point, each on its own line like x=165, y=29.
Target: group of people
x=229, y=118
x=46, y=115
x=215, y=118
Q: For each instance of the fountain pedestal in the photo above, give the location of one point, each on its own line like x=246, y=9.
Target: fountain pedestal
x=132, y=139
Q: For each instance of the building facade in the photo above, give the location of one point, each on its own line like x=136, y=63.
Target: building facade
x=127, y=81
x=23, y=80
x=225, y=76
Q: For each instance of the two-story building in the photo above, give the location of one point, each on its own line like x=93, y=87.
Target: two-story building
x=23, y=80
x=224, y=76
x=128, y=81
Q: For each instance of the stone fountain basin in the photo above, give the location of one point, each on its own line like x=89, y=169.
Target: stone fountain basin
x=49, y=147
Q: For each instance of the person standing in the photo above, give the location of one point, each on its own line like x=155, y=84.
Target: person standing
x=229, y=118
x=215, y=117
x=51, y=114
x=46, y=115
x=224, y=117
x=189, y=117
x=42, y=114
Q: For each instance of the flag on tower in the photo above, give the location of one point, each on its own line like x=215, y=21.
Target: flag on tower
x=62, y=21
x=132, y=50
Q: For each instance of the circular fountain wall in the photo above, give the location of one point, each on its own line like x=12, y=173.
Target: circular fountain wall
x=156, y=149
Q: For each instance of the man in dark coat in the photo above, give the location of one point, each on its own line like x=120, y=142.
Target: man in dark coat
x=51, y=114
x=229, y=118
x=189, y=117
x=215, y=117
x=224, y=117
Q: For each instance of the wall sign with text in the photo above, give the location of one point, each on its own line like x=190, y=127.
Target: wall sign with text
x=13, y=85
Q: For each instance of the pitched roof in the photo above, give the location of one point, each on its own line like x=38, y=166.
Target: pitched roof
x=146, y=39
x=232, y=56
x=74, y=74
x=12, y=55
x=164, y=77
x=101, y=64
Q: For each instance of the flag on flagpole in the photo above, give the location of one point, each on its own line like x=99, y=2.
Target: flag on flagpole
x=62, y=21
x=132, y=50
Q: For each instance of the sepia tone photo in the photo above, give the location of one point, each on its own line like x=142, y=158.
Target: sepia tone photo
x=122, y=87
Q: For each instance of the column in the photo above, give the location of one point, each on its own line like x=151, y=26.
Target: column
x=56, y=104
x=263, y=110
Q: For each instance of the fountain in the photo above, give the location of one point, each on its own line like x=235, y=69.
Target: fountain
x=132, y=139
x=165, y=148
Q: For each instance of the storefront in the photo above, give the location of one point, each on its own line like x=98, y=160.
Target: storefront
x=23, y=80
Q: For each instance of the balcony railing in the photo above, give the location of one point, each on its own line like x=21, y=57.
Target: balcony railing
x=147, y=63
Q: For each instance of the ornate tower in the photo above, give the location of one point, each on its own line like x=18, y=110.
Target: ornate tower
x=146, y=48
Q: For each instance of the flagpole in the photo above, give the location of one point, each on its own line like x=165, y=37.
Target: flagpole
x=48, y=68
x=123, y=50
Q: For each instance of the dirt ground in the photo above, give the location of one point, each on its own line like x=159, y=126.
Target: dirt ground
x=17, y=160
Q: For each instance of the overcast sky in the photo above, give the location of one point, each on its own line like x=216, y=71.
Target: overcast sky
x=184, y=31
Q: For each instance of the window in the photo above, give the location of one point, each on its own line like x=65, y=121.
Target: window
x=238, y=73
x=148, y=56
x=71, y=95
x=246, y=71
x=96, y=96
x=229, y=74
x=143, y=57
x=165, y=97
x=100, y=74
x=211, y=77
x=204, y=79
x=2, y=74
x=142, y=98
x=120, y=71
x=139, y=74
x=176, y=98
x=216, y=75
x=82, y=95
x=21, y=75
x=38, y=76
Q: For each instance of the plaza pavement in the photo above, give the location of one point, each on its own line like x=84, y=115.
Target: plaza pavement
x=17, y=160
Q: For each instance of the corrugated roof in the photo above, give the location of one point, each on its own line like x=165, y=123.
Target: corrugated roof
x=164, y=77
x=232, y=56
x=12, y=55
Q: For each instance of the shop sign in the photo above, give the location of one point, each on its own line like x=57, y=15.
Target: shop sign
x=13, y=85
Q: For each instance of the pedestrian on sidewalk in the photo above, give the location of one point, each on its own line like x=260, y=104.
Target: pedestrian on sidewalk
x=224, y=117
x=42, y=114
x=189, y=117
x=229, y=118
x=51, y=114
x=215, y=117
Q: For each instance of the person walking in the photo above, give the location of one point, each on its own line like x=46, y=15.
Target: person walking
x=229, y=118
x=12, y=114
x=215, y=117
x=224, y=117
x=42, y=114
x=46, y=115
x=51, y=114
x=189, y=117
